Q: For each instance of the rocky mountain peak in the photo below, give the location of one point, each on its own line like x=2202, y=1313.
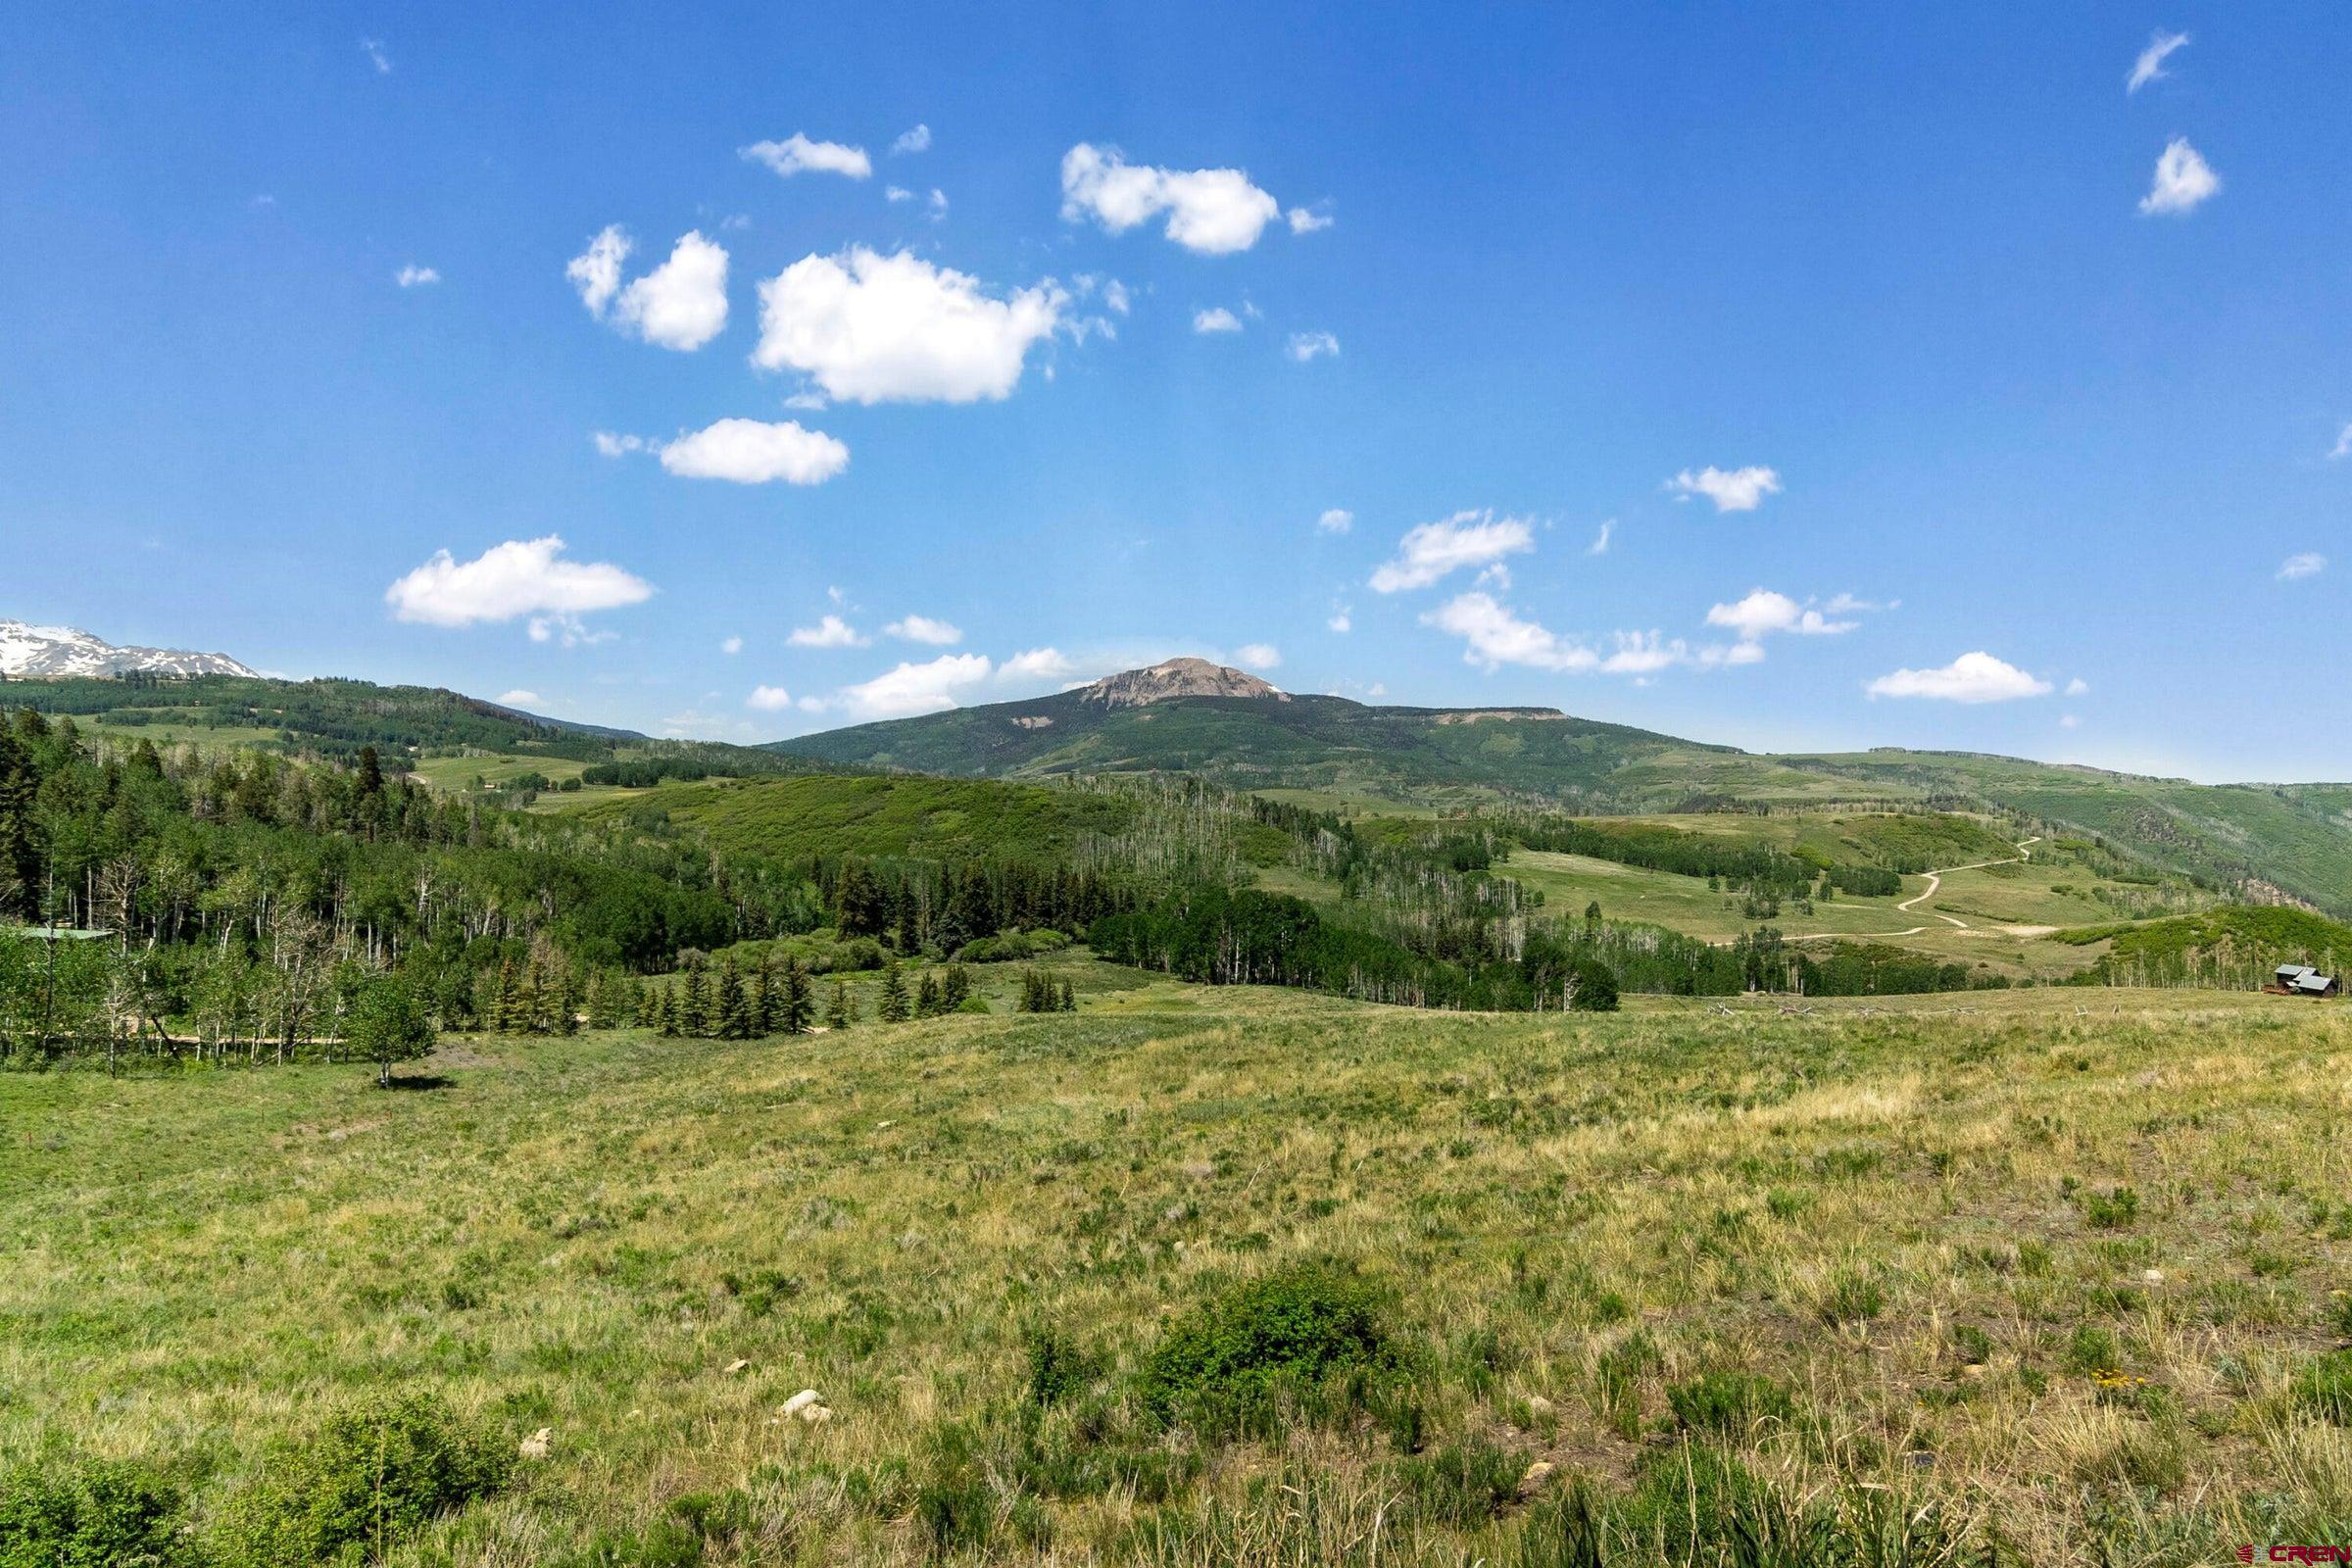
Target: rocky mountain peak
x=1178, y=677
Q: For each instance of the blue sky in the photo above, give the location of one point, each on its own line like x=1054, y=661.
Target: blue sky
x=1919, y=404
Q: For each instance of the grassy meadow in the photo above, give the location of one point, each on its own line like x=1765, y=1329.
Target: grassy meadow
x=2057, y=1273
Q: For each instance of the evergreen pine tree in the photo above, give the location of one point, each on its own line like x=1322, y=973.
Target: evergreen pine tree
x=893, y=1006
x=798, y=1004
x=766, y=1016
x=839, y=1011
x=694, y=1004
x=570, y=997
x=954, y=987
x=733, y=1003
x=531, y=1001
x=927, y=997
x=1069, y=999
x=501, y=1013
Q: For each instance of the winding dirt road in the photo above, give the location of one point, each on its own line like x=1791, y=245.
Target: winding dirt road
x=1934, y=881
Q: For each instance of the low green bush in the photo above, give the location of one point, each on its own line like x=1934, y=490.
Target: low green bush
x=1730, y=1402
x=369, y=1477
x=93, y=1514
x=1231, y=1360
x=1463, y=1483
x=2325, y=1388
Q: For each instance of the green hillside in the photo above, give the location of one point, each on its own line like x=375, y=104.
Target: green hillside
x=823, y=816
x=445, y=738
x=2226, y=949
x=2251, y=839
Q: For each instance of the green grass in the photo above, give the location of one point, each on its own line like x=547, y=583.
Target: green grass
x=459, y=772
x=1786, y=1214
x=794, y=819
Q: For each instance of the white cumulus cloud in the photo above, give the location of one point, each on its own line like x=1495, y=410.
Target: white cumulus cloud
x=1763, y=612
x=730, y=644
x=2149, y=66
x=1431, y=550
x=1976, y=677
x=1335, y=519
x=912, y=141
x=1258, y=656
x=1731, y=490
x=1342, y=620
x=2183, y=180
x=1216, y=319
x=755, y=452
x=414, y=277
x=518, y=698
x=1304, y=220
x=1213, y=211
x=1037, y=663
x=1306, y=346
x=924, y=629
x=797, y=153
x=614, y=444
x=2305, y=563
x=910, y=688
x=874, y=329
x=520, y=577
x=596, y=270
x=830, y=632
x=1493, y=634
x=768, y=699
x=682, y=304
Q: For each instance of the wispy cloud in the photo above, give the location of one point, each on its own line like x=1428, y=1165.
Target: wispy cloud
x=1335, y=519
x=377, y=56
x=912, y=141
x=1433, y=550
x=796, y=154
x=1306, y=346
x=414, y=277
x=2304, y=564
x=2149, y=66
x=1601, y=541
x=1216, y=319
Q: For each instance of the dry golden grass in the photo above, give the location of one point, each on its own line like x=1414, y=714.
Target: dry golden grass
x=1909, y=1214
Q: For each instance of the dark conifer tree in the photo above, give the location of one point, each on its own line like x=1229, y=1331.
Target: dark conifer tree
x=733, y=1004
x=892, y=1005
x=797, y=1006
x=839, y=1011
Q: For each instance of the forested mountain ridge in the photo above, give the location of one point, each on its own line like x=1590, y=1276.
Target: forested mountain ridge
x=2265, y=841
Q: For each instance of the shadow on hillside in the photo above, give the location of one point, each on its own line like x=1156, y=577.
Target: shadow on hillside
x=420, y=1080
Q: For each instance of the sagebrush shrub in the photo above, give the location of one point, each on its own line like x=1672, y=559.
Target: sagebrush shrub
x=1730, y=1402
x=94, y=1514
x=2325, y=1388
x=368, y=1478
x=1229, y=1358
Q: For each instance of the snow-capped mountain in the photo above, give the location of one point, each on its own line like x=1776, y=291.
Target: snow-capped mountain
x=28, y=650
